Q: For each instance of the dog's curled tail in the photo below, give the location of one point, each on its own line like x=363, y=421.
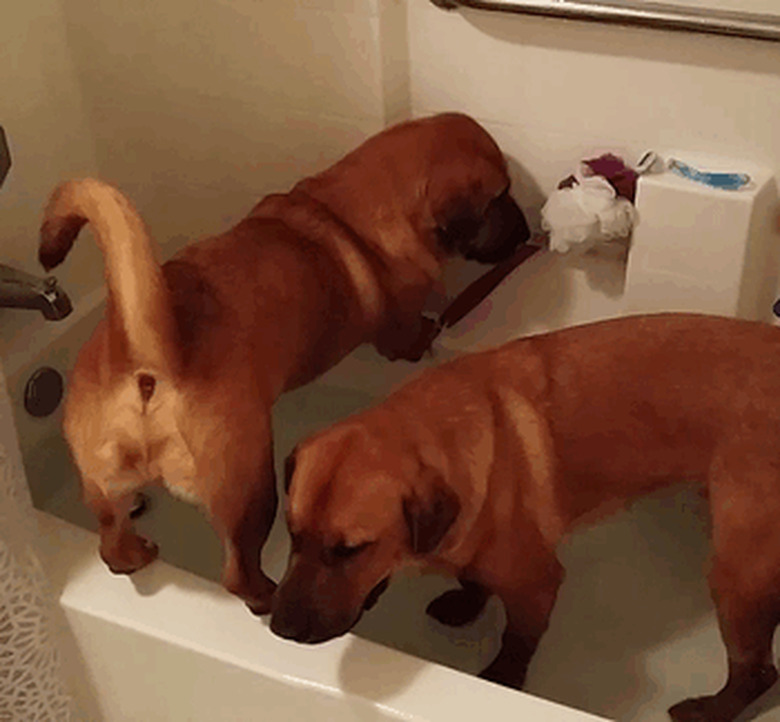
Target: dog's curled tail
x=137, y=292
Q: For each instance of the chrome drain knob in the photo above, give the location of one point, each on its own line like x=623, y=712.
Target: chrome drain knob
x=43, y=392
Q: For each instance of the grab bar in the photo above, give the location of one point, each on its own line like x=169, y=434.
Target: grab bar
x=649, y=14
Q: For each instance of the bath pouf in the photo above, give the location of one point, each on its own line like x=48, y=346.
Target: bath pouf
x=621, y=177
x=586, y=214
x=592, y=207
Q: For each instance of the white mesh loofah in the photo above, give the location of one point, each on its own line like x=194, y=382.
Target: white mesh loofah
x=31, y=689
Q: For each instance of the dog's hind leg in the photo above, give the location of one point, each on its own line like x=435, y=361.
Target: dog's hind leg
x=458, y=607
x=244, y=530
x=528, y=592
x=747, y=621
x=242, y=507
x=121, y=548
x=745, y=583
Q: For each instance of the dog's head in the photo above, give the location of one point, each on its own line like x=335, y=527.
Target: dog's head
x=469, y=204
x=488, y=231
x=358, y=510
x=441, y=180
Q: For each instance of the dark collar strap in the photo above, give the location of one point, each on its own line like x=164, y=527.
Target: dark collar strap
x=477, y=291
x=468, y=299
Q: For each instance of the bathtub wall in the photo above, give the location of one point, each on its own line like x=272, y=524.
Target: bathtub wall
x=195, y=108
x=555, y=91
x=200, y=107
x=50, y=137
x=136, y=92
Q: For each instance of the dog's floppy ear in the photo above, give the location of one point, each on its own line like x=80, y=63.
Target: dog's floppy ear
x=457, y=224
x=289, y=469
x=486, y=233
x=429, y=519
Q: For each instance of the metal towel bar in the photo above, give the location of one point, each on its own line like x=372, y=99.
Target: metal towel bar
x=626, y=12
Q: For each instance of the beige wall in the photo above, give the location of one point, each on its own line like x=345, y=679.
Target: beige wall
x=554, y=91
x=197, y=108
x=200, y=107
x=50, y=138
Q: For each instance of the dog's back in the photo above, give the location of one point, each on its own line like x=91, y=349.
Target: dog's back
x=635, y=404
x=629, y=404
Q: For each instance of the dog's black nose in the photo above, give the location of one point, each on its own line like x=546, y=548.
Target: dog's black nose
x=287, y=627
x=501, y=231
x=306, y=633
x=306, y=626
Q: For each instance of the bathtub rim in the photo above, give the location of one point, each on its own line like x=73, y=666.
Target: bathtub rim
x=84, y=586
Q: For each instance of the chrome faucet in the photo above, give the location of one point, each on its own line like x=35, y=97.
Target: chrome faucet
x=23, y=290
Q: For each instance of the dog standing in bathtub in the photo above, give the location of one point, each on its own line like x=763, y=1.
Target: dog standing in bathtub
x=176, y=385
x=480, y=467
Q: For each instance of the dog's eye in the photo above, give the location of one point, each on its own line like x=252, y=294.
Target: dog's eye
x=342, y=552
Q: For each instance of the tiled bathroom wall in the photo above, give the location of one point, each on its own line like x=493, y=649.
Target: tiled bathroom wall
x=200, y=107
x=554, y=91
x=197, y=108
x=50, y=138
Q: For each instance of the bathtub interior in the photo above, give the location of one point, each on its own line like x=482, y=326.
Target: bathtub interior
x=633, y=630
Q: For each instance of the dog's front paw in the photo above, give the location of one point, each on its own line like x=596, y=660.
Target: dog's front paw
x=259, y=607
x=507, y=674
x=744, y=687
x=129, y=554
x=408, y=344
x=457, y=607
x=700, y=709
x=256, y=596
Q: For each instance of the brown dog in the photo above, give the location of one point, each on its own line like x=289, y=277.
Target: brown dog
x=177, y=383
x=482, y=465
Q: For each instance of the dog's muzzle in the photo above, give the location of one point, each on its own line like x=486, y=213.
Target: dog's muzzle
x=300, y=623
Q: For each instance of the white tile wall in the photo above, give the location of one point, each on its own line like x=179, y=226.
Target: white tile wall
x=198, y=108
x=567, y=87
x=202, y=107
x=554, y=91
x=50, y=137
x=361, y=7
x=195, y=108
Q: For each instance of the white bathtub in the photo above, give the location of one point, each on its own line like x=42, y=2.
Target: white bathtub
x=633, y=631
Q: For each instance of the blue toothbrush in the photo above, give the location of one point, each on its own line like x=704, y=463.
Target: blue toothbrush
x=724, y=181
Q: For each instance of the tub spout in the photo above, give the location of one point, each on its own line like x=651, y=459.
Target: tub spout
x=23, y=290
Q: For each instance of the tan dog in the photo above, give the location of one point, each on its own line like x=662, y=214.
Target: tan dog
x=483, y=465
x=177, y=383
